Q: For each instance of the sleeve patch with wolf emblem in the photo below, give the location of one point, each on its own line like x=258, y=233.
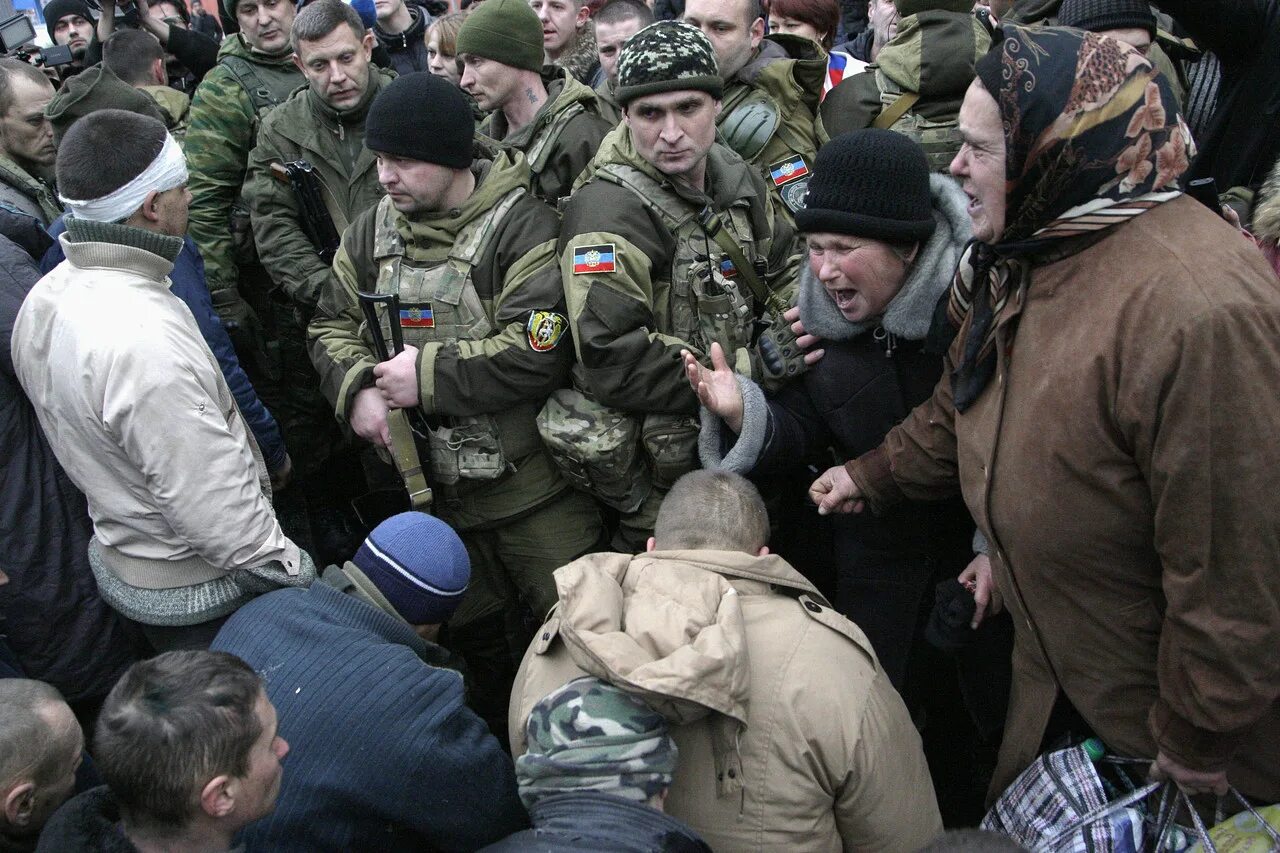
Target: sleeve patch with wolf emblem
x=545, y=329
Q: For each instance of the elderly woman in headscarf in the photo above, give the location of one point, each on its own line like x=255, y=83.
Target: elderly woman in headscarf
x=1109, y=413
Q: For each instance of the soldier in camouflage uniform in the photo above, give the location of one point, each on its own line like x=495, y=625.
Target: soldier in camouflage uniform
x=322, y=123
x=772, y=86
x=471, y=255
x=544, y=113
x=904, y=93
x=663, y=247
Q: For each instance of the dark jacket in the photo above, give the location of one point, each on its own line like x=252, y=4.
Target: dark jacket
x=383, y=755
x=589, y=820
x=871, y=377
x=87, y=823
x=408, y=50
x=58, y=626
x=1243, y=138
x=188, y=284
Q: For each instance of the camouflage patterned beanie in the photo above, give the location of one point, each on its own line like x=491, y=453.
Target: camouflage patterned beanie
x=667, y=57
x=591, y=736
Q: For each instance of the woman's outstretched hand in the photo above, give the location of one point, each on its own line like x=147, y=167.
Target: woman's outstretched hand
x=717, y=388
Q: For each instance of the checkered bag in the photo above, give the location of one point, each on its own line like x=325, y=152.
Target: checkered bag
x=1047, y=806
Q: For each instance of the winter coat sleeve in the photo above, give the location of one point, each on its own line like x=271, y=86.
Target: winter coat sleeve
x=283, y=247
x=197, y=52
x=217, y=148
x=1202, y=434
x=1232, y=29
x=521, y=278
x=192, y=290
x=466, y=761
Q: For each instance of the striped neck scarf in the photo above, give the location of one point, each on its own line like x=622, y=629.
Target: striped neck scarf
x=1092, y=139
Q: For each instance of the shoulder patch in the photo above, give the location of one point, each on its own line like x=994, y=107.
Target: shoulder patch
x=593, y=259
x=794, y=194
x=788, y=170
x=830, y=618
x=545, y=329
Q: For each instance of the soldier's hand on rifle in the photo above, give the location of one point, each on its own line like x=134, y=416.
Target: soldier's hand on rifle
x=397, y=379
x=717, y=388
x=369, y=417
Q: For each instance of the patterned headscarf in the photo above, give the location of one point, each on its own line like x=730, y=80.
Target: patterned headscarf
x=1093, y=137
x=589, y=735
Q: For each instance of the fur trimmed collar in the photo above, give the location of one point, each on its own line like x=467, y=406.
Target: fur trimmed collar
x=910, y=314
x=1266, y=216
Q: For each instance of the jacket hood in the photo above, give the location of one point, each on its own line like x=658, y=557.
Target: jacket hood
x=774, y=47
x=87, y=822
x=728, y=177
x=1266, y=215
x=235, y=45
x=934, y=53
x=428, y=238
x=414, y=33
x=174, y=104
x=910, y=313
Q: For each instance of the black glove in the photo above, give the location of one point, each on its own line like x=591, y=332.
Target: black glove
x=780, y=358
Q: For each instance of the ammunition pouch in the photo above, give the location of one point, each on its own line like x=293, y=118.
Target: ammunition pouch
x=596, y=448
x=750, y=125
x=470, y=450
x=245, y=250
x=671, y=441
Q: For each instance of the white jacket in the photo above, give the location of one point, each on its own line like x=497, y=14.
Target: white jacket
x=138, y=413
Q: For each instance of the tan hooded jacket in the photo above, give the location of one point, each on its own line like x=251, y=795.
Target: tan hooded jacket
x=790, y=735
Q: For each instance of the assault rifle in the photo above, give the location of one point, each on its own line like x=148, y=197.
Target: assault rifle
x=317, y=224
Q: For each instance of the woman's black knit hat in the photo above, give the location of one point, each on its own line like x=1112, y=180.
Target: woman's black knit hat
x=869, y=183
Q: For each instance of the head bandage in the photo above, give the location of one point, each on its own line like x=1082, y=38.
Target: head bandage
x=167, y=171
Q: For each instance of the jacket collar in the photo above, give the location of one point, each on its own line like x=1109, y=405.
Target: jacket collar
x=103, y=245
x=910, y=313
x=413, y=33
x=769, y=571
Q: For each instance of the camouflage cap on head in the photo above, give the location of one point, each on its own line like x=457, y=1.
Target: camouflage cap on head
x=589, y=735
x=668, y=56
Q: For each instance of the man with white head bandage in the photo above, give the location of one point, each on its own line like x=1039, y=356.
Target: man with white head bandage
x=133, y=402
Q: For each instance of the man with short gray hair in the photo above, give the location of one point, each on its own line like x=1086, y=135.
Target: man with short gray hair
x=40, y=746
x=789, y=732
x=27, y=148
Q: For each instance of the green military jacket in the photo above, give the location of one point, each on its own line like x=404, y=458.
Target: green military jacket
x=562, y=137
x=23, y=193
x=306, y=128
x=933, y=55
x=509, y=369
x=768, y=111
x=176, y=107
x=634, y=303
x=223, y=128
x=607, y=103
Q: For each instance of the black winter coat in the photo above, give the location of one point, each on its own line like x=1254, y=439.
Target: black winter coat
x=57, y=625
x=592, y=821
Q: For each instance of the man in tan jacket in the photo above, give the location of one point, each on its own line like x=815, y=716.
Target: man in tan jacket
x=790, y=735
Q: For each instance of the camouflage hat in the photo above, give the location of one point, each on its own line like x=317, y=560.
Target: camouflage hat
x=591, y=736
x=668, y=56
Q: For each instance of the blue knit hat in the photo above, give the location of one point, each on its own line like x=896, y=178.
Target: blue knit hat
x=419, y=564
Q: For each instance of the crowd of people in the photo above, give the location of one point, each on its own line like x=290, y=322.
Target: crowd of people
x=628, y=426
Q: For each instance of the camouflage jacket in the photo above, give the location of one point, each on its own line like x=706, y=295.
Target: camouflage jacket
x=562, y=137
x=22, y=193
x=176, y=107
x=768, y=112
x=305, y=128
x=505, y=371
x=640, y=290
x=224, y=124
x=582, y=60
x=932, y=55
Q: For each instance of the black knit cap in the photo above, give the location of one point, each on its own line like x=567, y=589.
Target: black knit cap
x=1098, y=16
x=869, y=183
x=422, y=117
x=58, y=9
x=668, y=56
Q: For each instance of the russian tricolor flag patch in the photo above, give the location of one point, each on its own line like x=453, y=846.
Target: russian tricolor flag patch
x=593, y=259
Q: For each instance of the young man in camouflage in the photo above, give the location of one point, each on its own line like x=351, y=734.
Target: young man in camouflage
x=544, y=113
x=322, y=124
x=255, y=72
x=470, y=253
x=905, y=93
x=670, y=243
x=771, y=90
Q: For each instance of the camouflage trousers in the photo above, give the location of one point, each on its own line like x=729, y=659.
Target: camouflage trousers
x=511, y=591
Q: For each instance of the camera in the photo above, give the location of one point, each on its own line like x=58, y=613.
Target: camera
x=17, y=38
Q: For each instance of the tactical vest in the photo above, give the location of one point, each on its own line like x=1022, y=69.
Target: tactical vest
x=439, y=304
x=940, y=140
x=540, y=148
x=749, y=122
x=596, y=447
